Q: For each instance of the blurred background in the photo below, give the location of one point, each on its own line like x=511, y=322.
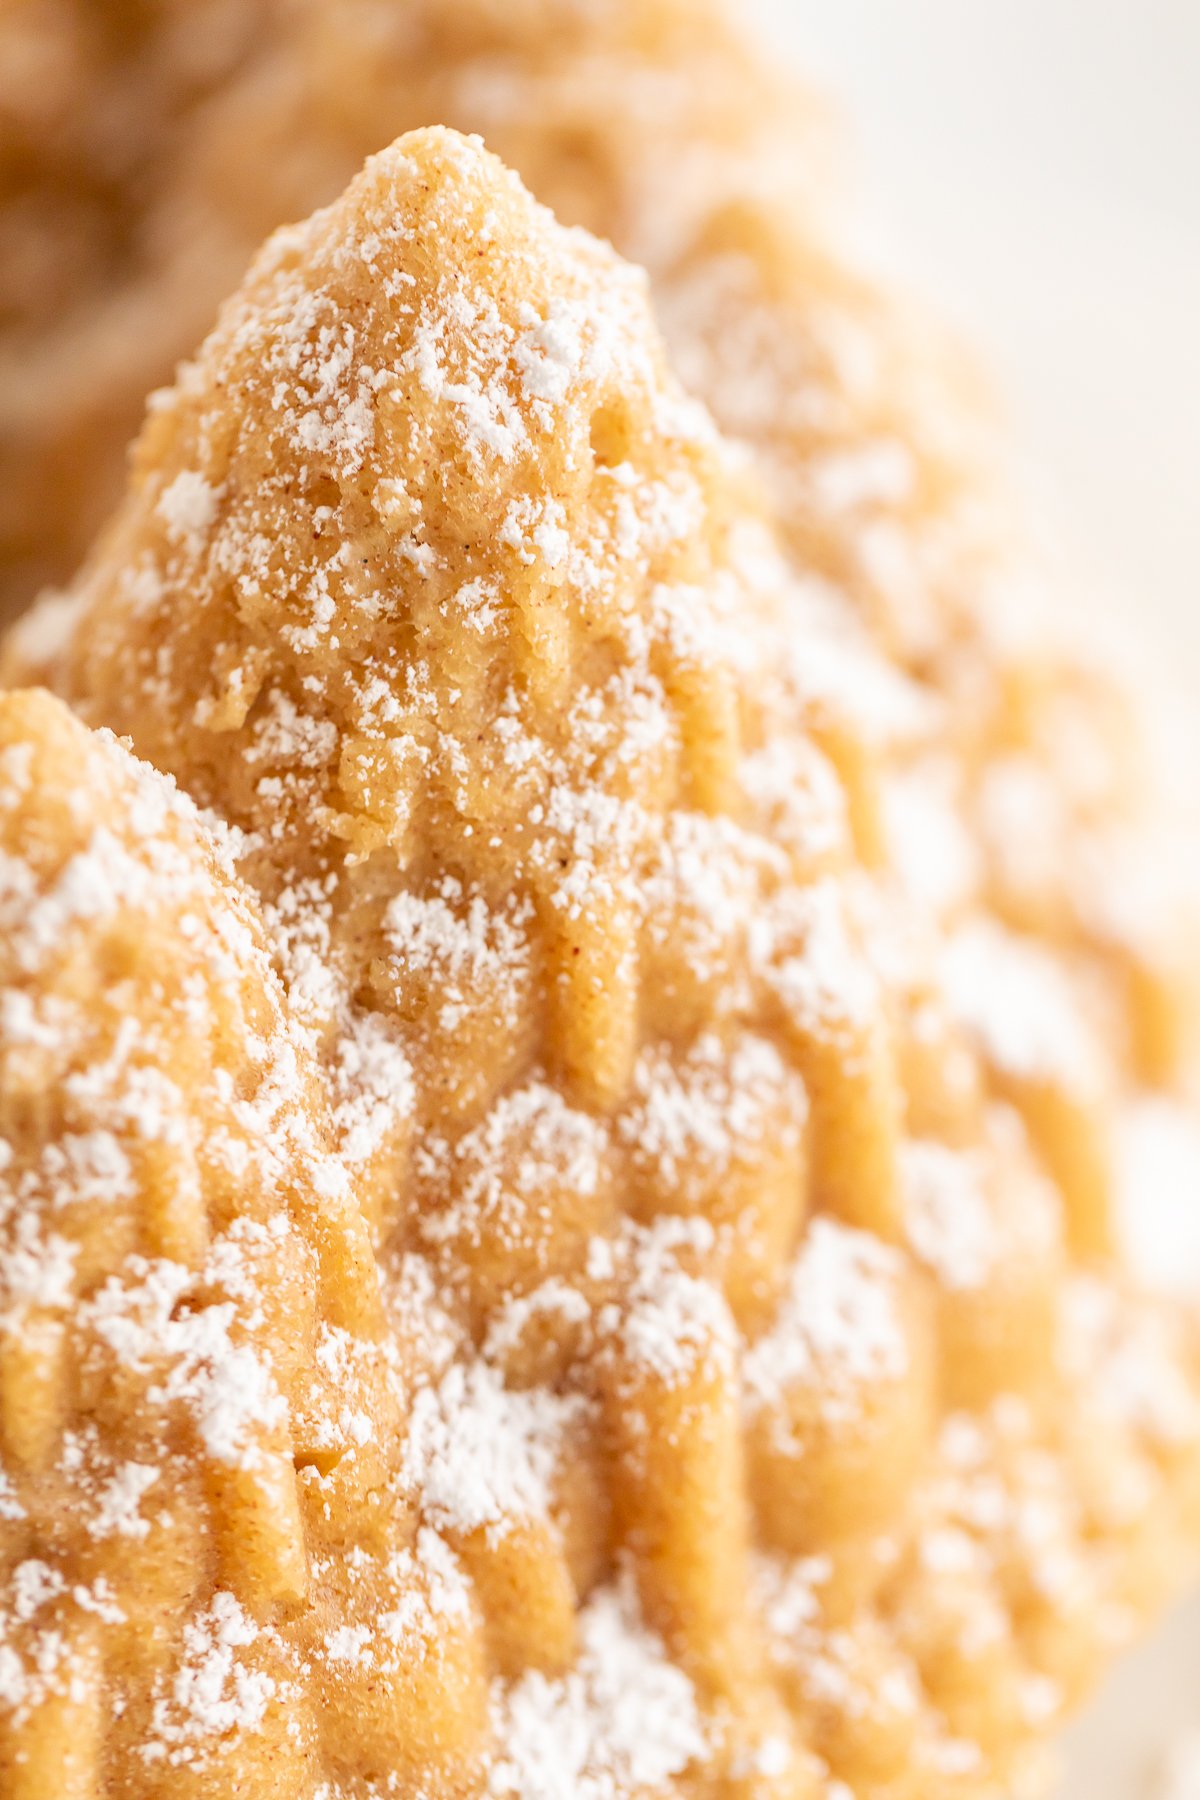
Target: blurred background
x=1034, y=168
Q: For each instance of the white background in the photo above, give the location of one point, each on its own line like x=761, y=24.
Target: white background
x=1034, y=167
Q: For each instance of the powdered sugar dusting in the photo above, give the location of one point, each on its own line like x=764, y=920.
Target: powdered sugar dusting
x=215, y=1691
x=1158, y=1194
x=624, y=1720
x=188, y=507
x=950, y=1224
x=1014, y=996
x=567, y=937
x=481, y=1456
x=838, y=1330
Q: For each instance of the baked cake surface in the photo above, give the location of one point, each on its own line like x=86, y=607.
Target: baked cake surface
x=558, y=1232
x=146, y=151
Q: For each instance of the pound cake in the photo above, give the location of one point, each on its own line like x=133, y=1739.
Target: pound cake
x=560, y=1235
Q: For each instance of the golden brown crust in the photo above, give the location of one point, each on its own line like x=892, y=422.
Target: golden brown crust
x=770, y=1411
x=181, y=1248
x=168, y=141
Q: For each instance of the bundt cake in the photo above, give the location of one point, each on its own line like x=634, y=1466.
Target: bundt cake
x=559, y=1236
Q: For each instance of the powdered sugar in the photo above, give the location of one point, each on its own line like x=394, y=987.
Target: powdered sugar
x=691, y=1122
x=188, y=507
x=119, y=1511
x=1016, y=999
x=215, y=1691
x=196, y=1361
x=582, y=831
x=1158, y=1194
x=838, y=1331
x=624, y=1720
x=674, y=1323
x=950, y=1225
x=479, y=1456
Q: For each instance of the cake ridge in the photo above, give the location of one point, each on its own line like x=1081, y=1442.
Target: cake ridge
x=570, y=804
